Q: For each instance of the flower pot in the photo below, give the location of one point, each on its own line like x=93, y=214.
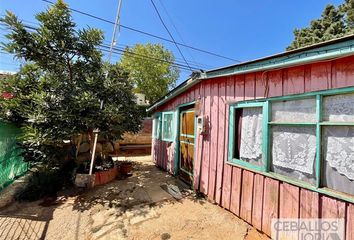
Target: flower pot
x=125, y=168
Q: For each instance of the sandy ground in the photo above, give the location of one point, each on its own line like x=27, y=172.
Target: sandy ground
x=137, y=207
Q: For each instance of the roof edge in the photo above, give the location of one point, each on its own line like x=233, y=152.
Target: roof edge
x=329, y=50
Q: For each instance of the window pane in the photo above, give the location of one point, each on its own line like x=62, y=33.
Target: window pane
x=167, y=132
x=294, y=111
x=338, y=153
x=339, y=108
x=187, y=123
x=294, y=152
x=156, y=127
x=251, y=135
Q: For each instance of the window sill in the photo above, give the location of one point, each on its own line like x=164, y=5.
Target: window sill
x=325, y=191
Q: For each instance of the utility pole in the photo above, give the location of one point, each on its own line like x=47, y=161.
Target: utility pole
x=113, y=42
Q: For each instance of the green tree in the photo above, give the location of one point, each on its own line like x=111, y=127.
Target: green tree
x=334, y=22
x=151, y=69
x=57, y=94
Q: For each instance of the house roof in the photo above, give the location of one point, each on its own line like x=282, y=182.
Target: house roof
x=332, y=49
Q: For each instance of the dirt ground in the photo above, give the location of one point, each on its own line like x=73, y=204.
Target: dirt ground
x=138, y=207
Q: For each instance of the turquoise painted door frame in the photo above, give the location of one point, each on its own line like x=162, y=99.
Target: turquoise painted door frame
x=177, y=163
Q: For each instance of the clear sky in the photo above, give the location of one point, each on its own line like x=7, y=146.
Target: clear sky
x=242, y=30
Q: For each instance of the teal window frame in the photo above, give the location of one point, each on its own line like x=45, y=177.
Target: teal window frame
x=231, y=159
x=156, y=127
x=173, y=132
x=266, y=143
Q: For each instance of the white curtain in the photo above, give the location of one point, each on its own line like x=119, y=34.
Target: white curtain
x=251, y=134
x=303, y=110
x=339, y=108
x=294, y=148
x=339, y=149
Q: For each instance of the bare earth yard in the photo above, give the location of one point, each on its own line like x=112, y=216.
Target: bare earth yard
x=134, y=208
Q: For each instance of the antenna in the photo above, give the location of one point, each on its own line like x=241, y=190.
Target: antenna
x=117, y=23
x=96, y=131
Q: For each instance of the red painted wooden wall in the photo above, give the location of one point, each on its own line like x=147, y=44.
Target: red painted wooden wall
x=251, y=196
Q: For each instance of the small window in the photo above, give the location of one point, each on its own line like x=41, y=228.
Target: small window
x=168, y=126
x=338, y=143
x=293, y=144
x=293, y=152
x=303, y=110
x=156, y=132
x=247, y=135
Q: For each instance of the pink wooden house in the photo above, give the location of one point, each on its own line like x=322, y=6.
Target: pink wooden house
x=269, y=138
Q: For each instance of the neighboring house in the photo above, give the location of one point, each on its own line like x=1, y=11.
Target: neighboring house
x=268, y=138
x=141, y=99
x=4, y=74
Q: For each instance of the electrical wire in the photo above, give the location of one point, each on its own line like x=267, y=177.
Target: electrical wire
x=121, y=51
x=174, y=26
x=169, y=33
x=194, y=63
x=148, y=34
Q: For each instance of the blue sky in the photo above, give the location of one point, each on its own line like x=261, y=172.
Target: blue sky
x=242, y=30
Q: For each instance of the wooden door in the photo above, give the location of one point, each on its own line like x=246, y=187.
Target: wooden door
x=186, y=145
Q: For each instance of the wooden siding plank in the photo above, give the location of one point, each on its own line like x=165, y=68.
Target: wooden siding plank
x=318, y=76
x=250, y=85
x=332, y=208
x=199, y=142
x=257, y=206
x=275, y=83
x=261, y=85
x=236, y=186
x=344, y=72
x=246, y=196
x=309, y=204
x=289, y=202
x=350, y=222
x=293, y=80
x=213, y=140
x=221, y=139
x=226, y=186
x=270, y=204
x=206, y=140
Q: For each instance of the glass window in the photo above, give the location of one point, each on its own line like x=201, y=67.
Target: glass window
x=303, y=110
x=339, y=108
x=248, y=135
x=168, y=126
x=309, y=140
x=293, y=152
x=156, y=126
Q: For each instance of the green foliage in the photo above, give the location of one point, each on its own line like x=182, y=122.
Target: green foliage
x=153, y=75
x=57, y=94
x=335, y=22
x=46, y=182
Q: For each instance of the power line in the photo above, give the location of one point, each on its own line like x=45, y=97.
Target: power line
x=191, y=62
x=141, y=56
x=131, y=53
x=177, y=63
x=149, y=34
x=174, y=26
x=169, y=33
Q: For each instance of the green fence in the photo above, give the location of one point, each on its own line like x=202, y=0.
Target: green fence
x=11, y=163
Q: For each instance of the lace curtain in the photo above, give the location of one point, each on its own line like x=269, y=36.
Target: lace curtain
x=303, y=110
x=339, y=149
x=251, y=134
x=294, y=148
x=339, y=108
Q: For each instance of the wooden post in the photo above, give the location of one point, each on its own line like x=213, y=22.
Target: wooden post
x=96, y=131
